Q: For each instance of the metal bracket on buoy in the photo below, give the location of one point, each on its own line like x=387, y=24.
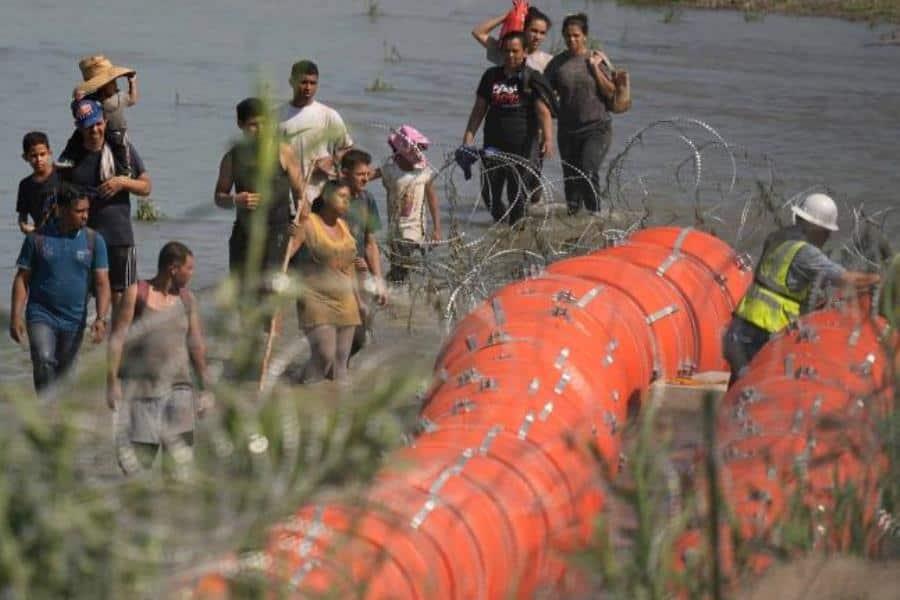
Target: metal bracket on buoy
x=546, y=412
x=304, y=570
x=667, y=264
x=806, y=333
x=864, y=369
x=313, y=531
x=562, y=358
x=462, y=406
x=498, y=336
x=499, y=315
x=534, y=386
x=468, y=376
x=789, y=365
x=434, y=500
x=564, y=380
x=662, y=314
x=488, y=384
x=471, y=343
x=564, y=296
x=525, y=426
x=589, y=296
x=488, y=440
x=611, y=347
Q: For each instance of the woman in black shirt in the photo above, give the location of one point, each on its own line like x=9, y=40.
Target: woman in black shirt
x=515, y=103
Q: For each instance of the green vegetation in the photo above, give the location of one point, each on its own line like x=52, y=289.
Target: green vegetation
x=856, y=10
x=379, y=85
x=148, y=211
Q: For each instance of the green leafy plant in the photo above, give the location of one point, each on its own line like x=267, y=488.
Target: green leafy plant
x=148, y=211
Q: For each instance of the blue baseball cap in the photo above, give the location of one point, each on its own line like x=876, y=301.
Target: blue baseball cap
x=87, y=113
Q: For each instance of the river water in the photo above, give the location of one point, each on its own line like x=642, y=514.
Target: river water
x=814, y=95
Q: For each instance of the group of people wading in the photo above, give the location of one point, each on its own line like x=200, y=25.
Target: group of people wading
x=76, y=215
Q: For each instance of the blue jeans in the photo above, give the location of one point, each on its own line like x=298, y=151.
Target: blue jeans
x=53, y=351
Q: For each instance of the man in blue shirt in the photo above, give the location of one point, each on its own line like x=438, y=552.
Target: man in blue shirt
x=55, y=269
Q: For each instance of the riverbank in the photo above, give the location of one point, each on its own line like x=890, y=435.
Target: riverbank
x=874, y=11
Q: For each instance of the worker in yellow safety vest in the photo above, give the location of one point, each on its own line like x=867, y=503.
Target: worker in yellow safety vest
x=792, y=264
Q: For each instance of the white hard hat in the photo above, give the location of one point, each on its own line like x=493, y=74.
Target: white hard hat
x=818, y=209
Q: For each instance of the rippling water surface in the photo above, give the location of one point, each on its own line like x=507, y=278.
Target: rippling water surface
x=814, y=95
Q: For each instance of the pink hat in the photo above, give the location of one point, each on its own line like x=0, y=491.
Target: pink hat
x=409, y=142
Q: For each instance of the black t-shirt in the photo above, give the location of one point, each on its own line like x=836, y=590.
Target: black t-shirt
x=510, y=124
x=36, y=198
x=111, y=217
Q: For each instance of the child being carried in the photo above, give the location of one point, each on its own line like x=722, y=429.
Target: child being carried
x=99, y=84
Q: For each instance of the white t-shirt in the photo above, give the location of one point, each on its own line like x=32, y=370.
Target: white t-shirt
x=315, y=131
x=537, y=60
x=406, y=200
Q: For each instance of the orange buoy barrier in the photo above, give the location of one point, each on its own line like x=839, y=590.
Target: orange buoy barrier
x=797, y=436
x=529, y=389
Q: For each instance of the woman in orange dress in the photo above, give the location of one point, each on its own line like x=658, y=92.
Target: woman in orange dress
x=328, y=308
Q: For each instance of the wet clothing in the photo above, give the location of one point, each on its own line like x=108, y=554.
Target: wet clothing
x=582, y=153
x=156, y=356
x=510, y=124
x=37, y=199
x=61, y=267
x=404, y=255
x=328, y=277
x=580, y=102
x=521, y=181
x=280, y=210
x=584, y=128
x=156, y=371
x=156, y=381
x=53, y=351
x=742, y=341
x=330, y=348
x=406, y=201
x=363, y=219
x=111, y=217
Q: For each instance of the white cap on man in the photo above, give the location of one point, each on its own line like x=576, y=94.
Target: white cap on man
x=818, y=209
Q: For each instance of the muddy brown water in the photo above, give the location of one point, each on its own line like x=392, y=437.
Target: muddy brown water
x=812, y=94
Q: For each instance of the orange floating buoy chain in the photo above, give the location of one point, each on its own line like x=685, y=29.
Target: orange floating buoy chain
x=531, y=387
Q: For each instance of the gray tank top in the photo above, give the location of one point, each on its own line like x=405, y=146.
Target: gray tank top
x=156, y=354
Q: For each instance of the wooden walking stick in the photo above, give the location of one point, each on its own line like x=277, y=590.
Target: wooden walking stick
x=276, y=318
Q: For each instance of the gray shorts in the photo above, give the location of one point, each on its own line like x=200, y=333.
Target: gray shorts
x=158, y=419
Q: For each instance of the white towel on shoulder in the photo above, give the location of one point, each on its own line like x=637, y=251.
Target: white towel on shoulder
x=107, y=163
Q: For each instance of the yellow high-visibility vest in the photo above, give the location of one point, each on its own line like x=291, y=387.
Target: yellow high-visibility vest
x=769, y=303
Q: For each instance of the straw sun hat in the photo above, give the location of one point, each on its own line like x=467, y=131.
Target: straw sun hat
x=97, y=71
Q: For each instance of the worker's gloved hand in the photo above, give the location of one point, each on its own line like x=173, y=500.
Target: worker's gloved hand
x=465, y=157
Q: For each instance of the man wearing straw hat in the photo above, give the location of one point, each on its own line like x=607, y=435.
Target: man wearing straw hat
x=99, y=83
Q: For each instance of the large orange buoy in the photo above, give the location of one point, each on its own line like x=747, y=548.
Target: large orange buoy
x=529, y=390
x=798, y=433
